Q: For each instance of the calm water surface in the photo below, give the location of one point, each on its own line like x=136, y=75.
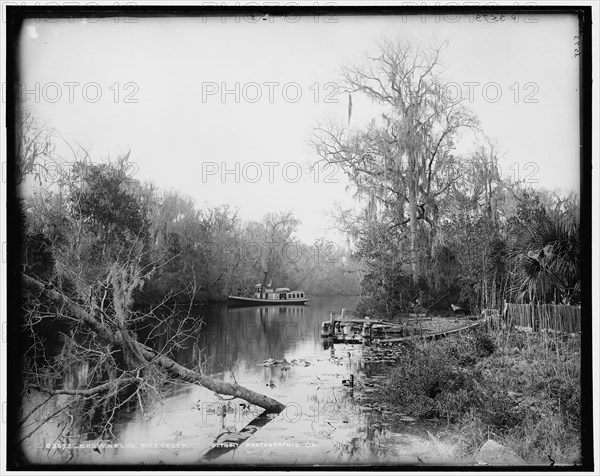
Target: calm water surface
x=323, y=422
x=237, y=339
x=232, y=345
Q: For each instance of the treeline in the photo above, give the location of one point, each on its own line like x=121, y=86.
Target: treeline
x=440, y=227
x=105, y=262
x=87, y=215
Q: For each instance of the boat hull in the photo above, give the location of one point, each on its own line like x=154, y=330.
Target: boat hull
x=249, y=301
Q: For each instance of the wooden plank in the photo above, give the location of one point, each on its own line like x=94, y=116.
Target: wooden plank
x=433, y=335
x=359, y=320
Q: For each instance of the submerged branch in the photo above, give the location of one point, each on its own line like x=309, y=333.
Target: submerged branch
x=151, y=357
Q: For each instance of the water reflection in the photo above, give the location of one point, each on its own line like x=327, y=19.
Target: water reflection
x=322, y=420
x=237, y=339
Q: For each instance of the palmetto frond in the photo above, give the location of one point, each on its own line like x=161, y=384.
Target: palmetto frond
x=547, y=261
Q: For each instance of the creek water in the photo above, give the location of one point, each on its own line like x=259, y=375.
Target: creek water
x=324, y=422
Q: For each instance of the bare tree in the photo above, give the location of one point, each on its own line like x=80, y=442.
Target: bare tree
x=274, y=233
x=399, y=161
x=102, y=364
x=34, y=147
x=82, y=298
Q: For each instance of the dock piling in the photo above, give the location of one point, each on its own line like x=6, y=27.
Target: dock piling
x=331, y=324
x=366, y=334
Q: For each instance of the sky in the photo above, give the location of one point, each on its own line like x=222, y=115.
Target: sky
x=222, y=109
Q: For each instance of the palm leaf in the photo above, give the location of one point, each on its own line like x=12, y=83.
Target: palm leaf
x=546, y=255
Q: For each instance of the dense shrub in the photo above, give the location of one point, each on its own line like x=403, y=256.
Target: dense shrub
x=485, y=344
x=417, y=381
x=522, y=389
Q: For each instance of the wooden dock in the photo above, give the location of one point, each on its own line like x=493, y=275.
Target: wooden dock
x=348, y=329
x=434, y=335
x=361, y=321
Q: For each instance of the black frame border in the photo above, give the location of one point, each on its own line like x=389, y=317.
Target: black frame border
x=17, y=15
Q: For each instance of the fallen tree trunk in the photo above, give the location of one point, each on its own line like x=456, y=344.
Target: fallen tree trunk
x=224, y=388
x=126, y=342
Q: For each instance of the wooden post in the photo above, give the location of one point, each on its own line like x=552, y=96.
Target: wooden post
x=331, y=324
x=343, y=312
x=366, y=334
x=325, y=332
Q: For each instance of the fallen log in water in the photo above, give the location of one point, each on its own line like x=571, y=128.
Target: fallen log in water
x=223, y=388
x=233, y=440
x=143, y=355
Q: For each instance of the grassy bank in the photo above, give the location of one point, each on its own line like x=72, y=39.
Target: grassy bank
x=521, y=389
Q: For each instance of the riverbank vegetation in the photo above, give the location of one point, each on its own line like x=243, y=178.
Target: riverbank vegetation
x=180, y=242
x=517, y=387
x=441, y=224
x=438, y=227
x=110, y=268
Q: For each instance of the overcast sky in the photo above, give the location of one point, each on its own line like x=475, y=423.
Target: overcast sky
x=156, y=86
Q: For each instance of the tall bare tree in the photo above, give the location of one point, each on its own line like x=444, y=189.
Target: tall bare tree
x=34, y=147
x=398, y=162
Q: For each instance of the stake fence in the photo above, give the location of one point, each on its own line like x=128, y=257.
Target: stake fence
x=559, y=317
